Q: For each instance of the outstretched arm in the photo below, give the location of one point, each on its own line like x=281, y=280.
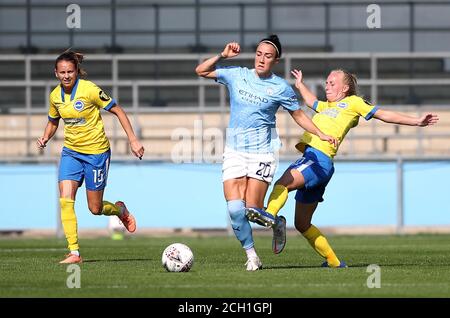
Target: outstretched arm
x=402, y=119
x=49, y=132
x=207, y=69
x=307, y=95
x=136, y=146
x=307, y=124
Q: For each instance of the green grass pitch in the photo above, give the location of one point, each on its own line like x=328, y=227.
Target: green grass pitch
x=411, y=266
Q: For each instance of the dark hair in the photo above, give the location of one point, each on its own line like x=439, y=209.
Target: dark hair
x=350, y=80
x=275, y=42
x=74, y=57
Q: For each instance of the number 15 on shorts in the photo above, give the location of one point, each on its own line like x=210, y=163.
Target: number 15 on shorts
x=99, y=176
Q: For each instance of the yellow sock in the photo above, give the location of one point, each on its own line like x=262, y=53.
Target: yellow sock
x=277, y=199
x=320, y=244
x=69, y=222
x=110, y=209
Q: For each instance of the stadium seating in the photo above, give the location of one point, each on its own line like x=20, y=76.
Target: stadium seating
x=161, y=132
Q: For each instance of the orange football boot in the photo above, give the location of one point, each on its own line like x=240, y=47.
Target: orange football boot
x=127, y=218
x=72, y=259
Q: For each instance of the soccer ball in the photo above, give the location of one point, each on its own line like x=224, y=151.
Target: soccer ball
x=177, y=257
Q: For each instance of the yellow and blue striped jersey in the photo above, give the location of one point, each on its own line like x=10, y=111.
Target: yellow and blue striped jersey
x=80, y=110
x=336, y=119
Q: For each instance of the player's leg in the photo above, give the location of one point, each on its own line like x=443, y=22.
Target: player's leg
x=255, y=192
x=70, y=177
x=261, y=169
x=98, y=206
x=309, y=174
x=303, y=217
x=96, y=171
x=254, y=196
x=68, y=190
x=95, y=202
x=311, y=169
x=234, y=171
x=234, y=190
x=291, y=179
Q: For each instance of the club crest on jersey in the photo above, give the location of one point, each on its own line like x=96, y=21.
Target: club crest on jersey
x=269, y=91
x=342, y=105
x=78, y=105
x=103, y=96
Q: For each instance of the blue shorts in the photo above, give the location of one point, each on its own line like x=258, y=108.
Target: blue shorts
x=317, y=169
x=78, y=166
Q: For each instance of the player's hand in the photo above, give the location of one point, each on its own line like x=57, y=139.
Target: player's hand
x=137, y=149
x=428, y=119
x=298, y=77
x=330, y=139
x=232, y=49
x=41, y=142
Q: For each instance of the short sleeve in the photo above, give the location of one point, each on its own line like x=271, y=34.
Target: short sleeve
x=288, y=99
x=226, y=74
x=319, y=106
x=100, y=98
x=53, y=113
x=364, y=108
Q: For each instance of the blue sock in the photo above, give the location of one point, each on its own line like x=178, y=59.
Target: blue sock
x=239, y=223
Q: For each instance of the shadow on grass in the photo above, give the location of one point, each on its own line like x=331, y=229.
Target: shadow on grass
x=290, y=266
x=318, y=266
x=116, y=260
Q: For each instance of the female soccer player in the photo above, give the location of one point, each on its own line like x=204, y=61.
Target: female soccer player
x=86, y=152
x=249, y=157
x=310, y=174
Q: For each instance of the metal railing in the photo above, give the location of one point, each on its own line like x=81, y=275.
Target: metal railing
x=247, y=19
x=201, y=84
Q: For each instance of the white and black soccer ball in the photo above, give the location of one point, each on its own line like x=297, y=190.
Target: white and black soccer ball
x=177, y=257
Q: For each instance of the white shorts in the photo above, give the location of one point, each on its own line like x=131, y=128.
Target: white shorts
x=260, y=166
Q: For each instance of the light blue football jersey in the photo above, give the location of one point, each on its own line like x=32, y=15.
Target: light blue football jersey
x=254, y=103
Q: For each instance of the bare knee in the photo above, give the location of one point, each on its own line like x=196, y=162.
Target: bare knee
x=95, y=209
x=302, y=227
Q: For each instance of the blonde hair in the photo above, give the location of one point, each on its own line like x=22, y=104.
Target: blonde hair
x=74, y=57
x=350, y=80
